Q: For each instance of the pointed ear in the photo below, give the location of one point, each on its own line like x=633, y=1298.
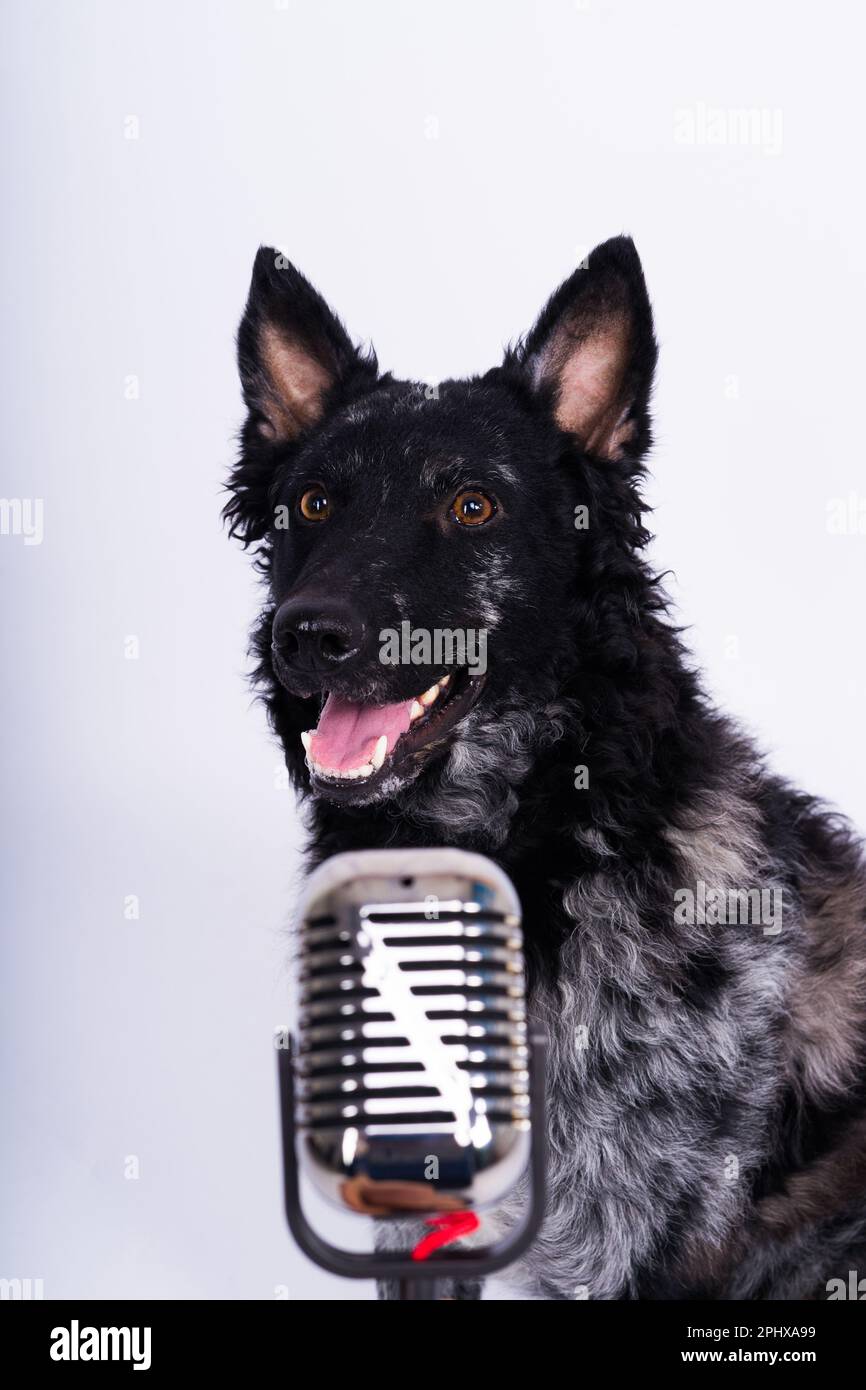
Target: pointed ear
x=593, y=349
x=292, y=350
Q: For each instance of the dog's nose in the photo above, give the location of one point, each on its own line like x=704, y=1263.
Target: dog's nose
x=316, y=635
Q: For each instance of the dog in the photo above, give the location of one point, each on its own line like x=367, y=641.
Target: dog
x=695, y=927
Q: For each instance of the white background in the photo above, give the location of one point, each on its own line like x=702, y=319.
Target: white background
x=436, y=169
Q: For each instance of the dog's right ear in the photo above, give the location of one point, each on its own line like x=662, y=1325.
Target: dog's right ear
x=292, y=350
x=296, y=360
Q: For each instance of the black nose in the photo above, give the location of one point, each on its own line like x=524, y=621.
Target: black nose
x=316, y=634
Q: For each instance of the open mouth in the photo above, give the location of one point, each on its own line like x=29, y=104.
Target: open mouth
x=360, y=745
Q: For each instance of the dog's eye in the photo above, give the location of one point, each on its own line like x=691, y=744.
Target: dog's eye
x=472, y=508
x=314, y=505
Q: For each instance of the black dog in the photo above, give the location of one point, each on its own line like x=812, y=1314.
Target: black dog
x=462, y=645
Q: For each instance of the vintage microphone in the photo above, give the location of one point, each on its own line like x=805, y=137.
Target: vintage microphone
x=412, y=1087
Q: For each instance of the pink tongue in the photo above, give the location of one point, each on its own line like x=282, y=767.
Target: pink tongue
x=347, y=734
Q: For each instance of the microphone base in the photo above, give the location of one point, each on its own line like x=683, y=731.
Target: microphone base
x=417, y=1290
x=416, y=1280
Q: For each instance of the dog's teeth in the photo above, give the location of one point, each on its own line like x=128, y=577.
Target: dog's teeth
x=322, y=771
x=379, y=752
x=342, y=774
x=430, y=695
x=306, y=740
x=416, y=711
x=444, y=681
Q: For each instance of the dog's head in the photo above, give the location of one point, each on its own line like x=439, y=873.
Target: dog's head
x=433, y=554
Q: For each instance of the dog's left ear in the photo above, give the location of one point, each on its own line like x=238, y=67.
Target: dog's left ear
x=593, y=351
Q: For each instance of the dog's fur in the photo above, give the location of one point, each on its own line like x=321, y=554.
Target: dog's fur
x=707, y=1091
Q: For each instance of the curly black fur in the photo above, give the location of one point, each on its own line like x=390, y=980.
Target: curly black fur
x=708, y=1115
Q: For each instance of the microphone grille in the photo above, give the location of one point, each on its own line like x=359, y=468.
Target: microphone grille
x=413, y=1033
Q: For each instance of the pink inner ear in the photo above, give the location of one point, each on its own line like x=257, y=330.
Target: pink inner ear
x=590, y=371
x=296, y=380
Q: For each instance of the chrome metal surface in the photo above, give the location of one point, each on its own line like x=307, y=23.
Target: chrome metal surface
x=412, y=1082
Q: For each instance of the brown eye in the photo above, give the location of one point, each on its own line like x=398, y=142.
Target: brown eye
x=314, y=505
x=472, y=508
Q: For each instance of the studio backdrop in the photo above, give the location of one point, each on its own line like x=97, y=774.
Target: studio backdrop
x=435, y=169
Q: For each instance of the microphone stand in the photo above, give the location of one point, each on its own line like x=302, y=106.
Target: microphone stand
x=417, y=1281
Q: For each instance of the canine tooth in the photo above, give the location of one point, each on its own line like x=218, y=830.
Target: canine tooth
x=306, y=740
x=379, y=752
x=444, y=681
x=416, y=711
x=430, y=695
x=365, y=771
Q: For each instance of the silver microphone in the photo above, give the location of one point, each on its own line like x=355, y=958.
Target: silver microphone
x=411, y=1072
